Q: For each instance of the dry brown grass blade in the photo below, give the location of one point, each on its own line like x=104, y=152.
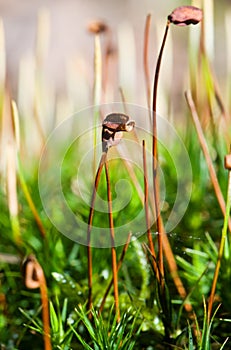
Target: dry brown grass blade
x=205, y=150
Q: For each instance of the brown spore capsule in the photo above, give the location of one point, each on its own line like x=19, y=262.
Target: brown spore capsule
x=185, y=15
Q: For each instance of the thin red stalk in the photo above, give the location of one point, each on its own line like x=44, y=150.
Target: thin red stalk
x=163, y=242
x=145, y=59
x=90, y=219
x=157, y=71
x=97, y=90
x=155, y=158
x=205, y=150
x=127, y=164
x=113, y=249
x=118, y=268
x=147, y=250
x=149, y=233
x=174, y=271
x=34, y=278
x=45, y=313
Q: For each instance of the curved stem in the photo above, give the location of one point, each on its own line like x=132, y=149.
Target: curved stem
x=45, y=312
x=157, y=71
x=90, y=219
x=113, y=249
x=118, y=267
x=155, y=158
x=149, y=233
x=96, y=91
x=145, y=59
x=35, y=278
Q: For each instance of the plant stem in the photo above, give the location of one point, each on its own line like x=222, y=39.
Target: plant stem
x=155, y=158
x=113, y=249
x=205, y=150
x=174, y=271
x=96, y=101
x=35, y=278
x=221, y=248
x=149, y=233
x=163, y=242
x=90, y=219
x=145, y=59
x=157, y=71
x=96, y=91
x=45, y=313
x=118, y=268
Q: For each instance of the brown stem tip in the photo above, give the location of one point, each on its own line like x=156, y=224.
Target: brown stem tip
x=97, y=27
x=185, y=15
